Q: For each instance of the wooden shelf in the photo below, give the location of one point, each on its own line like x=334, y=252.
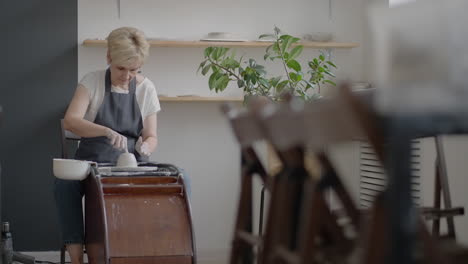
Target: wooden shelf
x=199, y=99
x=195, y=44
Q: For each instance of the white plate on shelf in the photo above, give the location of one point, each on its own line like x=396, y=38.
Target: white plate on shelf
x=188, y=95
x=224, y=40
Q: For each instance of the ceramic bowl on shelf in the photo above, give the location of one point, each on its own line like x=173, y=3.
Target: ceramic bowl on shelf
x=223, y=36
x=318, y=36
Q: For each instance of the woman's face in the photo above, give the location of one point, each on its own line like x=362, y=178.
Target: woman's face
x=122, y=74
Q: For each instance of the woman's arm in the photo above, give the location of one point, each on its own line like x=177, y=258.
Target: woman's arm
x=74, y=117
x=149, y=133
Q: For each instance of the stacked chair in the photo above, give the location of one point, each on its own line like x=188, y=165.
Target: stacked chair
x=301, y=225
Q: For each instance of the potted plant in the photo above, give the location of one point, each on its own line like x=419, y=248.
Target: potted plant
x=253, y=78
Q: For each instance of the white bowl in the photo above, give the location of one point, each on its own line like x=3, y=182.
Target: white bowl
x=70, y=169
x=219, y=35
x=127, y=160
x=318, y=36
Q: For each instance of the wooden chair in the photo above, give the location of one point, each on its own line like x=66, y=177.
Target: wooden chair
x=342, y=119
x=65, y=137
x=246, y=132
x=301, y=196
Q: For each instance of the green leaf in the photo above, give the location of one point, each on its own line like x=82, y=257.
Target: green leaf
x=201, y=65
x=230, y=63
x=223, y=51
x=266, y=36
x=295, y=77
x=212, y=79
x=295, y=40
x=208, y=52
x=276, y=47
x=293, y=64
x=267, y=50
x=321, y=57
x=252, y=63
x=330, y=82
x=253, y=79
x=287, y=41
x=206, y=68
x=330, y=73
x=264, y=82
x=309, y=84
x=331, y=64
x=240, y=83
x=220, y=52
x=260, y=72
x=281, y=86
x=285, y=37
x=219, y=82
x=296, y=51
x=222, y=83
x=274, y=81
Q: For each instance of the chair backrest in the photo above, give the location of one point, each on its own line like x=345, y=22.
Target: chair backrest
x=64, y=136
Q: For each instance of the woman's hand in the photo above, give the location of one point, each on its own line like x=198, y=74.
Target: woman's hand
x=143, y=148
x=116, y=139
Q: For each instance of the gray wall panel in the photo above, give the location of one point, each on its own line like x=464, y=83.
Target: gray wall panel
x=38, y=75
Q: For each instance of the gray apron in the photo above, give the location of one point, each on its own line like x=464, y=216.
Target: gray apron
x=119, y=112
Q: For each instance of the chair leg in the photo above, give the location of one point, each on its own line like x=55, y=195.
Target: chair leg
x=437, y=200
x=240, y=250
x=376, y=235
x=62, y=254
x=274, y=215
x=262, y=204
x=442, y=172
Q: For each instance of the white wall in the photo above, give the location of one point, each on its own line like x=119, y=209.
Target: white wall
x=195, y=136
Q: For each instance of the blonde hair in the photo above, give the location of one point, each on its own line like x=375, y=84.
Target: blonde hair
x=127, y=45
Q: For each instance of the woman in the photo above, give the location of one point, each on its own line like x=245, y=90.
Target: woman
x=113, y=110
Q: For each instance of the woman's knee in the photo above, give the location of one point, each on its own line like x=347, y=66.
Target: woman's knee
x=68, y=188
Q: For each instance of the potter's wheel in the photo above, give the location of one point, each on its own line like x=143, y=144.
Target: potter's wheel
x=143, y=169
